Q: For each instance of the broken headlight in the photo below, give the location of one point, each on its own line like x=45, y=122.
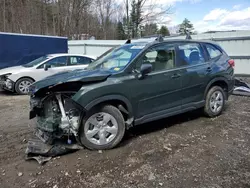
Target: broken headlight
x=3, y=78
x=9, y=84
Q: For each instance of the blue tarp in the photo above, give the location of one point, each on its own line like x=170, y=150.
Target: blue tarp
x=17, y=49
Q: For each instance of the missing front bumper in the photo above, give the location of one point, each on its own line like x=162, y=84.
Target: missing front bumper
x=8, y=85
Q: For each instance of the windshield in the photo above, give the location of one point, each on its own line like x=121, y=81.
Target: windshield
x=36, y=61
x=117, y=58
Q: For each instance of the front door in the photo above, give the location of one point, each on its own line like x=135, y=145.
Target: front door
x=55, y=65
x=159, y=92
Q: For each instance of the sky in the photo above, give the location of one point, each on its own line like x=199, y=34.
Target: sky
x=208, y=15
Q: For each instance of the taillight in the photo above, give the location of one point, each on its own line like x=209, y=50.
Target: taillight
x=231, y=62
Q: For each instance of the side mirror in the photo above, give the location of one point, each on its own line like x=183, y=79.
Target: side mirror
x=46, y=67
x=145, y=69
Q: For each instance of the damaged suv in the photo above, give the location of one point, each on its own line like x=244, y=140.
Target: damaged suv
x=132, y=84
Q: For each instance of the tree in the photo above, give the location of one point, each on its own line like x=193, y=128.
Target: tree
x=164, y=31
x=186, y=26
x=120, y=31
x=80, y=19
x=150, y=29
x=136, y=16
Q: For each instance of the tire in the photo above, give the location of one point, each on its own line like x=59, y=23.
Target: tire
x=90, y=134
x=214, y=104
x=25, y=82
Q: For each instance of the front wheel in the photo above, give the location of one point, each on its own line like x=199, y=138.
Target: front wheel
x=22, y=85
x=103, y=128
x=215, y=102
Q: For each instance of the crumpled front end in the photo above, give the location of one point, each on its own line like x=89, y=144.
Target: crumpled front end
x=58, y=120
x=6, y=83
x=57, y=115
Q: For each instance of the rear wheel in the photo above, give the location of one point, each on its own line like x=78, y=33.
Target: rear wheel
x=22, y=85
x=103, y=128
x=215, y=102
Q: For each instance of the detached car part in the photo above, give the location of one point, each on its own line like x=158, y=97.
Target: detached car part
x=241, y=88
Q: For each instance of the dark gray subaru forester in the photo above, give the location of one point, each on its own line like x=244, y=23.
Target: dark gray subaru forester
x=130, y=85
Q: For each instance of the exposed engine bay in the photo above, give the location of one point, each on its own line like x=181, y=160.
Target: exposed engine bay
x=58, y=121
x=58, y=116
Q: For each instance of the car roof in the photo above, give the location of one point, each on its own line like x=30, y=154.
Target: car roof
x=149, y=42
x=189, y=40
x=68, y=54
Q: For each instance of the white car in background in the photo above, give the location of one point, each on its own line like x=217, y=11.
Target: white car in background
x=19, y=78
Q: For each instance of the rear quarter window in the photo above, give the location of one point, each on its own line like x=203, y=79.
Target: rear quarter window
x=213, y=51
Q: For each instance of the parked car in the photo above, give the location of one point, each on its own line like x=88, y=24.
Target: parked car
x=19, y=78
x=130, y=85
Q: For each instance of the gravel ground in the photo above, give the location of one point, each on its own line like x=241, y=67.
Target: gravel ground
x=187, y=150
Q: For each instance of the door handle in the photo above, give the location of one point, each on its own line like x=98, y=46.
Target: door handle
x=209, y=69
x=175, y=76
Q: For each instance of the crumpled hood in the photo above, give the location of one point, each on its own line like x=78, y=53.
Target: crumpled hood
x=12, y=70
x=71, y=76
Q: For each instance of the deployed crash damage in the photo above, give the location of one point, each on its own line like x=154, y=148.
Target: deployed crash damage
x=58, y=121
x=57, y=114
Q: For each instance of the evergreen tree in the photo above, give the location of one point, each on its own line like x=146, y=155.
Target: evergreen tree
x=136, y=17
x=185, y=26
x=120, y=31
x=164, y=31
x=150, y=29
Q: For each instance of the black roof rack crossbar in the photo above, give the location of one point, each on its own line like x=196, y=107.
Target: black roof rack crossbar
x=188, y=36
x=159, y=38
x=128, y=41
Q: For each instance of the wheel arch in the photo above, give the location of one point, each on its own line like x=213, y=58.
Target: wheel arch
x=218, y=81
x=114, y=100
x=25, y=77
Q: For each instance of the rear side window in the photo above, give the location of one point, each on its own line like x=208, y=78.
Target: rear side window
x=190, y=54
x=78, y=60
x=213, y=51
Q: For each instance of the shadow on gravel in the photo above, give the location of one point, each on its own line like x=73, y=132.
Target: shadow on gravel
x=161, y=124
x=7, y=93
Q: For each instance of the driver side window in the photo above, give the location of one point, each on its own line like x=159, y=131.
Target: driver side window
x=161, y=58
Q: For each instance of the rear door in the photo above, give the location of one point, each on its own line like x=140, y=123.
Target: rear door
x=78, y=62
x=195, y=70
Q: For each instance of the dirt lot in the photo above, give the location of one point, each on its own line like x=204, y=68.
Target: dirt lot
x=183, y=151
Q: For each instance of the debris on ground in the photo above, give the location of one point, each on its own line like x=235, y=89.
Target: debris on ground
x=241, y=88
x=42, y=152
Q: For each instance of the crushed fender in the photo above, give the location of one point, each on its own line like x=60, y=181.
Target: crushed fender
x=42, y=152
x=241, y=88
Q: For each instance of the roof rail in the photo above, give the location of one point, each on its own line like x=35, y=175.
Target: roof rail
x=159, y=38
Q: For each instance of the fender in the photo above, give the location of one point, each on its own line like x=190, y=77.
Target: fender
x=213, y=81
x=111, y=97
